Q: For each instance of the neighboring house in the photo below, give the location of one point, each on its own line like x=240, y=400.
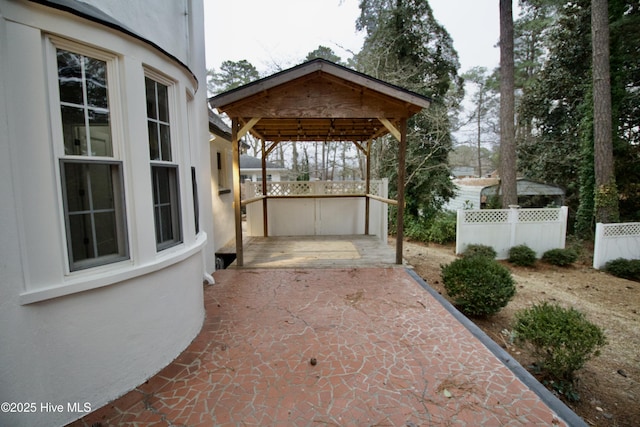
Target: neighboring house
x=251, y=169
x=106, y=219
x=476, y=193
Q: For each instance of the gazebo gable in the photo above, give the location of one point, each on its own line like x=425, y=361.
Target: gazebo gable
x=320, y=95
x=319, y=100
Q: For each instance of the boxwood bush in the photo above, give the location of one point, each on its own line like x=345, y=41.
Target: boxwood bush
x=560, y=257
x=479, y=250
x=522, y=255
x=561, y=339
x=624, y=268
x=478, y=286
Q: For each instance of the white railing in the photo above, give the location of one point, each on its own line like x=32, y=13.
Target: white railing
x=294, y=211
x=305, y=188
x=614, y=241
x=540, y=229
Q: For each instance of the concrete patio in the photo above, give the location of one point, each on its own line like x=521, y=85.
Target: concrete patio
x=337, y=347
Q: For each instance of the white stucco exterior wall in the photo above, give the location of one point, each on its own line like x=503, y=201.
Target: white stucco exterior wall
x=224, y=214
x=90, y=336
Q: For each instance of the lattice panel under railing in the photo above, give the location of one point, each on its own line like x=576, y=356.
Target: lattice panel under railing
x=289, y=188
x=627, y=229
x=538, y=215
x=342, y=187
x=298, y=188
x=485, y=216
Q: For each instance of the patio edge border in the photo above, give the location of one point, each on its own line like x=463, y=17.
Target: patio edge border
x=563, y=411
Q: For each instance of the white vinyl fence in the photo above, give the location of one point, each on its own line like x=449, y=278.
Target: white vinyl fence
x=540, y=229
x=616, y=241
x=293, y=211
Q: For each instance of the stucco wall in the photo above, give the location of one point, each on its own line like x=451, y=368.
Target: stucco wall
x=150, y=19
x=89, y=336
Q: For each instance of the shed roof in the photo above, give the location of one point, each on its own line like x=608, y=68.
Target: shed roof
x=319, y=101
x=526, y=187
x=250, y=162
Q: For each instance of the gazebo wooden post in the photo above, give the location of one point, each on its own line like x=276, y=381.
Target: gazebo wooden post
x=367, y=190
x=402, y=154
x=265, y=217
x=235, y=143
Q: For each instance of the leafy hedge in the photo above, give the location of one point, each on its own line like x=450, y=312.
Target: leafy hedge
x=624, y=268
x=560, y=257
x=522, y=255
x=562, y=340
x=478, y=286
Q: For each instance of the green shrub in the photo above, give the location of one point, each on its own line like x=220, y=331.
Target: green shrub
x=561, y=339
x=416, y=230
x=624, y=268
x=560, y=257
x=478, y=286
x=480, y=250
x=443, y=228
x=522, y=255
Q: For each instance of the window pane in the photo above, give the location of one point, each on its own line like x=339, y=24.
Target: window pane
x=70, y=77
x=101, y=187
x=76, y=186
x=93, y=205
x=163, y=103
x=106, y=233
x=100, y=133
x=150, y=87
x=166, y=223
x=81, y=237
x=166, y=206
x=96, y=78
x=165, y=141
x=162, y=186
x=74, y=131
x=154, y=145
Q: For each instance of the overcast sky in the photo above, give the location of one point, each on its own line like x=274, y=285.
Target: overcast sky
x=277, y=34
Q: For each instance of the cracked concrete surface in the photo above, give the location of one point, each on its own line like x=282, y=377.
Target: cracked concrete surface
x=388, y=354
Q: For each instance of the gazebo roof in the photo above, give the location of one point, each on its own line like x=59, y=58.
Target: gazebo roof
x=319, y=101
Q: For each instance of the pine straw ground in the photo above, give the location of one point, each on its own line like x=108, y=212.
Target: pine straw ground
x=609, y=385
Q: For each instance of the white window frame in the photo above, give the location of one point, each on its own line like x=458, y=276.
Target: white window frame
x=172, y=165
x=114, y=161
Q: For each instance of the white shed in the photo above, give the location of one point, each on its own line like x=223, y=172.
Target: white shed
x=475, y=193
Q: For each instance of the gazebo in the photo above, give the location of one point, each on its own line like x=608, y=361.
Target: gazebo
x=319, y=101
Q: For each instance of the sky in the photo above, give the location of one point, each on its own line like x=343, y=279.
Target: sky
x=278, y=34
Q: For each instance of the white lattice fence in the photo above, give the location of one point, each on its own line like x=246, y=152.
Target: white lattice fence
x=540, y=229
x=614, y=241
x=298, y=188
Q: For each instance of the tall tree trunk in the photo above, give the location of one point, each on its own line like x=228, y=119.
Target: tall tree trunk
x=507, y=107
x=479, y=126
x=606, y=194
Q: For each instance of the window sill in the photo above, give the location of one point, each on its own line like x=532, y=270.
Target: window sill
x=88, y=282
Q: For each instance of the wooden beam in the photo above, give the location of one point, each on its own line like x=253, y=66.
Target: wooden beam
x=382, y=199
x=265, y=218
x=270, y=149
x=402, y=154
x=367, y=189
x=248, y=126
x=391, y=128
x=235, y=143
